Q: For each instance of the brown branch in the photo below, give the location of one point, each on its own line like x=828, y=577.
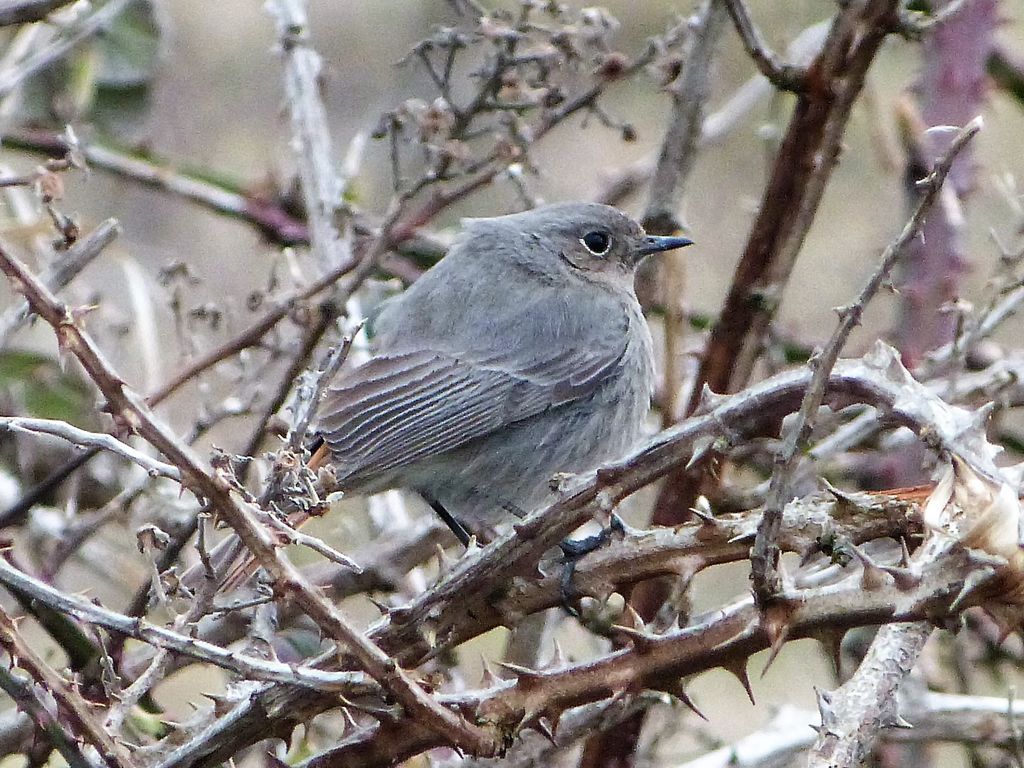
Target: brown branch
x=253, y=335
x=725, y=638
x=802, y=168
x=690, y=94
x=62, y=271
x=73, y=707
x=127, y=407
x=783, y=76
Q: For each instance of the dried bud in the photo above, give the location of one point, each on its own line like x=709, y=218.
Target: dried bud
x=149, y=537
x=666, y=69
x=612, y=66
x=493, y=29
x=50, y=187
x=435, y=120
x=982, y=514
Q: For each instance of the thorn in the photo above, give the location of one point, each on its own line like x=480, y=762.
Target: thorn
x=981, y=415
x=905, y=578
x=379, y=605
x=558, y=659
x=633, y=619
x=555, y=718
x=489, y=678
x=544, y=728
x=872, y=576
x=832, y=641
x=445, y=561
x=701, y=448
x=898, y=721
x=349, y=718
x=974, y=580
x=524, y=675
x=676, y=690
x=904, y=552
x=828, y=717
x=709, y=400
x=429, y=635
x=778, y=633
x=738, y=669
x=838, y=493
x=642, y=642
x=702, y=511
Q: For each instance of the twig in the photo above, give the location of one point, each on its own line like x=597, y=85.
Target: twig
x=70, y=703
x=306, y=408
x=139, y=629
x=802, y=167
x=724, y=638
x=252, y=335
x=783, y=76
x=208, y=190
x=58, y=49
x=99, y=440
x=690, y=93
x=127, y=406
x=319, y=546
x=764, y=556
x=323, y=190
x=57, y=276
x=28, y=699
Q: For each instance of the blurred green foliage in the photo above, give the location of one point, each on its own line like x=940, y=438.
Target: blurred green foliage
x=107, y=81
x=42, y=390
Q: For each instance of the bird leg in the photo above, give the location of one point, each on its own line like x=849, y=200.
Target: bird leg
x=453, y=524
x=574, y=550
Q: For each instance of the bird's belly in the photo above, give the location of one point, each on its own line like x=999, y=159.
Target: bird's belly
x=506, y=474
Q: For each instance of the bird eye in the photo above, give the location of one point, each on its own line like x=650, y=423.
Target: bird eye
x=597, y=243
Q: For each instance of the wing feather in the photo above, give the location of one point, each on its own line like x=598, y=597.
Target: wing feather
x=399, y=408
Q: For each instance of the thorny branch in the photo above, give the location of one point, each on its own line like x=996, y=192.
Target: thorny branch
x=437, y=619
x=764, y=556
x=73, y=708
x=129, y=408
x=442, y=152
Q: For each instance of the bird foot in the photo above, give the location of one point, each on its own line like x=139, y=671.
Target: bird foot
x=574, y=550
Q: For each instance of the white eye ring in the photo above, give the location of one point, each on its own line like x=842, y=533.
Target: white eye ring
x=597, y=242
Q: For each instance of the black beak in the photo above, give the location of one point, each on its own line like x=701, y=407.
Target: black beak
x=656, y=244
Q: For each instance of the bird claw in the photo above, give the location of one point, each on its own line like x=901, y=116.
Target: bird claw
x=574, y=550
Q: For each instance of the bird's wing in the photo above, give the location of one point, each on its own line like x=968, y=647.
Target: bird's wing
x=398, y=408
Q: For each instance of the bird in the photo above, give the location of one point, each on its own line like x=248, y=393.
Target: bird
x=522, y=354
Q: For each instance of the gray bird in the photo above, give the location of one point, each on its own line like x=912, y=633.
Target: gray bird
x=523, y=353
